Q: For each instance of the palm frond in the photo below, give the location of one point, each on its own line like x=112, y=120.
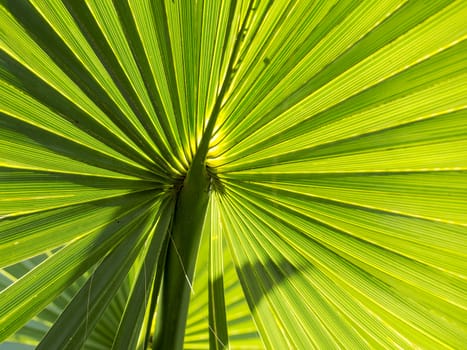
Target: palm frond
x=233, y=174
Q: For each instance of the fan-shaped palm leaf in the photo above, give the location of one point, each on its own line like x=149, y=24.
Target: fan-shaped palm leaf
x=233, y=174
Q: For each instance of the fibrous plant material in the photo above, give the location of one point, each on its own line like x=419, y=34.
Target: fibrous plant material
x=233, y=174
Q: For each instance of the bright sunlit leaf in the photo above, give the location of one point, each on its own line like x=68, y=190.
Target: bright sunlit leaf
x=238, y=174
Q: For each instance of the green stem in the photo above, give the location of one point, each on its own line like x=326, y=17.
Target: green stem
x=181, y=257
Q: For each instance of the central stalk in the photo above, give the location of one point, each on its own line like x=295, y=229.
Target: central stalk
x=183, y=246
x=182, y=251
